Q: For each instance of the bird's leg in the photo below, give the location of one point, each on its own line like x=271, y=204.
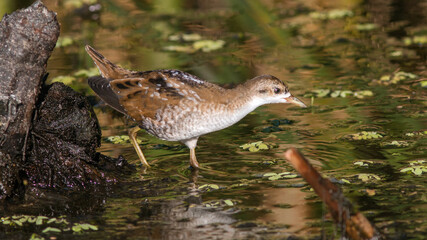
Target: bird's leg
x=191, y=144
x=193, y=159
x=132, y=137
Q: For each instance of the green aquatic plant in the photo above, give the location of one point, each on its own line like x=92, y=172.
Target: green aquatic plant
x=366, y=26
x=208, y=187
x=363, y=163
x=321, y=93
x=419, y=40
x=55, y=224
x=191, y=37
x=122, y=139
x=364, y=135
x=257, y=146
x=332, y=14
x=395, y=143
x=416, y=134
x=417, y=167
x=276, y=176
x=396, y=77
x=367, y=177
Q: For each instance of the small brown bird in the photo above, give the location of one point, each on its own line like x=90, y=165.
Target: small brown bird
x=177, y=106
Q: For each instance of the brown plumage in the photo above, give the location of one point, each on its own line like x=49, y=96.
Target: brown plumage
x=177, y=106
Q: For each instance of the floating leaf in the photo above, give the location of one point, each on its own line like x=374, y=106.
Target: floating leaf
x=345, y=181
x=419, y=40
x=185, y=37
x=366, y=26
x=39, y=220
x=321, y=92
x=256, y=146
x=364, y=135
x=332, y=14
x=179, y=48
x=76, y=228
x=270, y=174
x=395, y=144
x=208, y=45
x=51, y=229
x=423, y=83
x=228, y=202
x=363, y=163
x=209, y=187
x=365, y=177
x=363, y=94
x=396, y=77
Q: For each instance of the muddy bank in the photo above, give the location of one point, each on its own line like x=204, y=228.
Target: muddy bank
x=48, y=134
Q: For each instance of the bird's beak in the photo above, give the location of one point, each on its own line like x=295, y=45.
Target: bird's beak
x=295, y=101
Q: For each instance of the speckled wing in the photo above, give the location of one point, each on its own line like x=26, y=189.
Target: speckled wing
x=144, y=95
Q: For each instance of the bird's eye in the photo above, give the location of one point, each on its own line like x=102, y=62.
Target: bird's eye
x=277, y=90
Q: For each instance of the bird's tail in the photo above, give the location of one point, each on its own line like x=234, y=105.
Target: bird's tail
x=106, y=68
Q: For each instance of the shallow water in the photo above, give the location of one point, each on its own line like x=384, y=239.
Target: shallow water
x=287, y=40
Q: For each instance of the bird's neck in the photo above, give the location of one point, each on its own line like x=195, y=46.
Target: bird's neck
x=241, y=99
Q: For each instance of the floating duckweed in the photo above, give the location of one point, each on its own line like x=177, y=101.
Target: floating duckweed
x=363, y=163
x=209, y=187
x=366, y=177
x=345, y=181
x=179, y=48
x=35, y=236
x=396, y=77
x=395, y=144
x=363, y=94
x=339, y=93
x=419, y=40
x=208, y=45
x=203, y=45
x=185, y=37
x=364, y=135
x=256, y=146
x=51, y=229
x=122, y=139
x=416, y=134
x=220, y=203
x=417, y=167
x=276, y=176
x=366, y=26
x=332, y=14
x=19, y=220
x=320, y=93
x=228, y=202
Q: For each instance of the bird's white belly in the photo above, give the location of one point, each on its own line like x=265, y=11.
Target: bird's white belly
x=190, y=122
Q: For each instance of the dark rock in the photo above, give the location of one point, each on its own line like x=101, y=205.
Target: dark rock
x=63, y=140
x=27, y=38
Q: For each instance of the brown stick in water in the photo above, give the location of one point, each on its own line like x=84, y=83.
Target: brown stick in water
x=355, y=224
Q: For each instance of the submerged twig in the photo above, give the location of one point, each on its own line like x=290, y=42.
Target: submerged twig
x=355, y=223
